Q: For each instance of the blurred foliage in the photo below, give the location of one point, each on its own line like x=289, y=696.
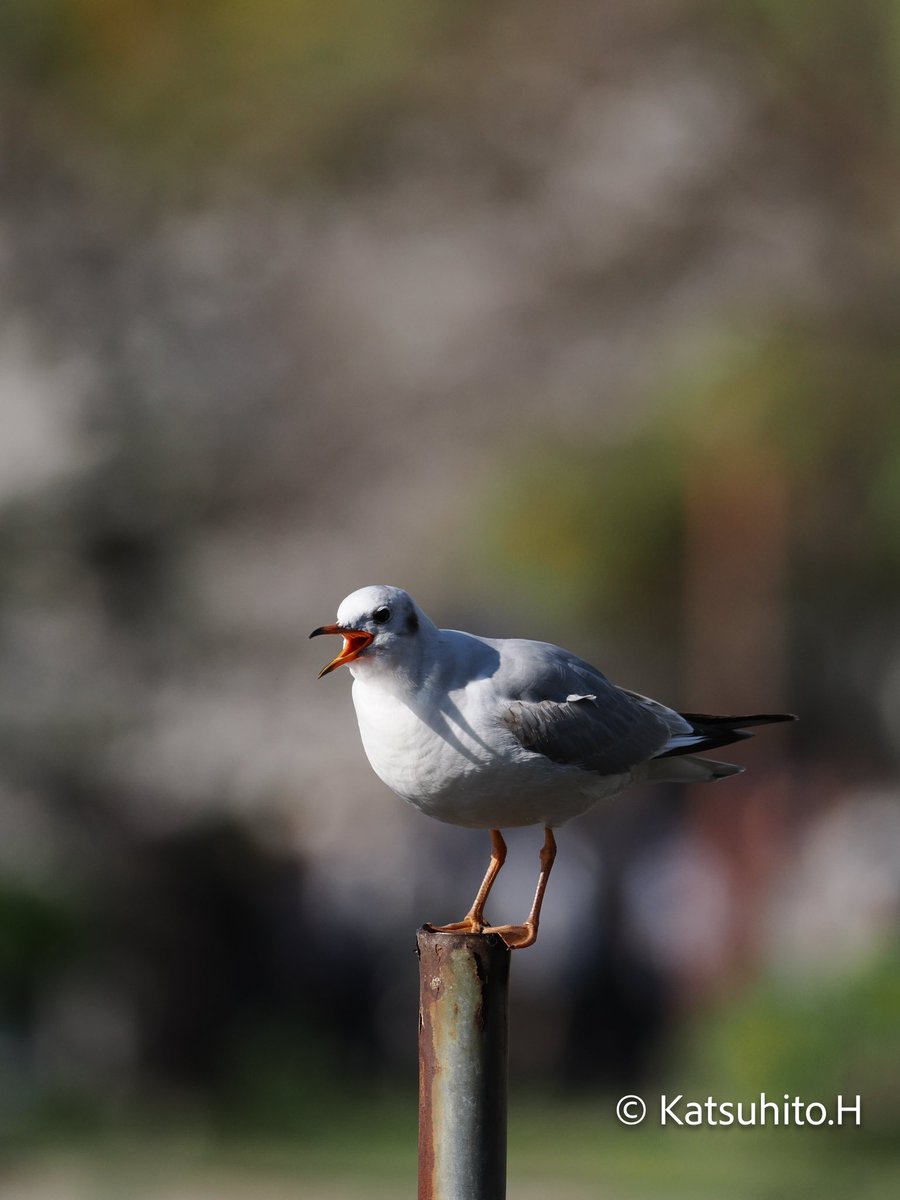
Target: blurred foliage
x=593, y=532
x=811, y=1041
x=832, y=73
x=827, y=403
x=37, y=936
x=366, y=1146
x=187, y=87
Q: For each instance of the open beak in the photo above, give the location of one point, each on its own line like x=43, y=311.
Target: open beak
x=355, y=641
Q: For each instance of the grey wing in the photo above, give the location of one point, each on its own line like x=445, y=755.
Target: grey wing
x=598, y=727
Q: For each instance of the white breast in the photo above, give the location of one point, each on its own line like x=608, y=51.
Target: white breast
x=419, y=756
x=466, y=772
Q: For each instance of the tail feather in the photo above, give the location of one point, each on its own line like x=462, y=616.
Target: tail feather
x=709, y=732
x=689, y=769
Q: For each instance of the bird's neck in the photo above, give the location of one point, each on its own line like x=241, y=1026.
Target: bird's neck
x=401, y=674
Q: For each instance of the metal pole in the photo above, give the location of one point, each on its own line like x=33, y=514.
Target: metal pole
x=463, y=1038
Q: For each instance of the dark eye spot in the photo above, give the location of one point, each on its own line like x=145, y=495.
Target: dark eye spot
x=381, y=615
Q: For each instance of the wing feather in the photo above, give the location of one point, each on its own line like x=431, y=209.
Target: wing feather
x=560, y=706
x=607, y=738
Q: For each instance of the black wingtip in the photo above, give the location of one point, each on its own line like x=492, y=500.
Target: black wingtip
x=723, y=731
x=738, y=722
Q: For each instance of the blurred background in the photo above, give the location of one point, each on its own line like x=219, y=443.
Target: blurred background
x=579, y=321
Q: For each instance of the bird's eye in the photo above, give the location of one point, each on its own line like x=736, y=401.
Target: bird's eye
x=381, y=615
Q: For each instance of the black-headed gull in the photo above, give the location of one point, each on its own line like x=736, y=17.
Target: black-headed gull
x=487, y=732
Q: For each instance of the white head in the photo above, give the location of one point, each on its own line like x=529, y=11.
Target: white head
x=382, y=627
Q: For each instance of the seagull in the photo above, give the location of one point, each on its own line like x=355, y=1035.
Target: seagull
x=490, y=733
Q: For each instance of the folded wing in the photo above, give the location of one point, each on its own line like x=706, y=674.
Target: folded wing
x=608, y=738
x=610, y=730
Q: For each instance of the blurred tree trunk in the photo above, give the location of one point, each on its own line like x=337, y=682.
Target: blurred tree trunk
x=735, y=639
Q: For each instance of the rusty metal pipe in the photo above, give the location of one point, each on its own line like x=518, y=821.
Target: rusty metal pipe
x=463, y=1041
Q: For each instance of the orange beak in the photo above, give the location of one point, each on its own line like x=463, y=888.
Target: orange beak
x=355, y=641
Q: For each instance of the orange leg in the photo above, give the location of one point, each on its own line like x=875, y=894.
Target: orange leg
x=517, y=937
x=473, y=921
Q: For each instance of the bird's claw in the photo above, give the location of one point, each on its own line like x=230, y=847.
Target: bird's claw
x=517, y=937
x=466, y=925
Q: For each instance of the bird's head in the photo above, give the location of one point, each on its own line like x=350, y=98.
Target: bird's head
x=378, y=624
